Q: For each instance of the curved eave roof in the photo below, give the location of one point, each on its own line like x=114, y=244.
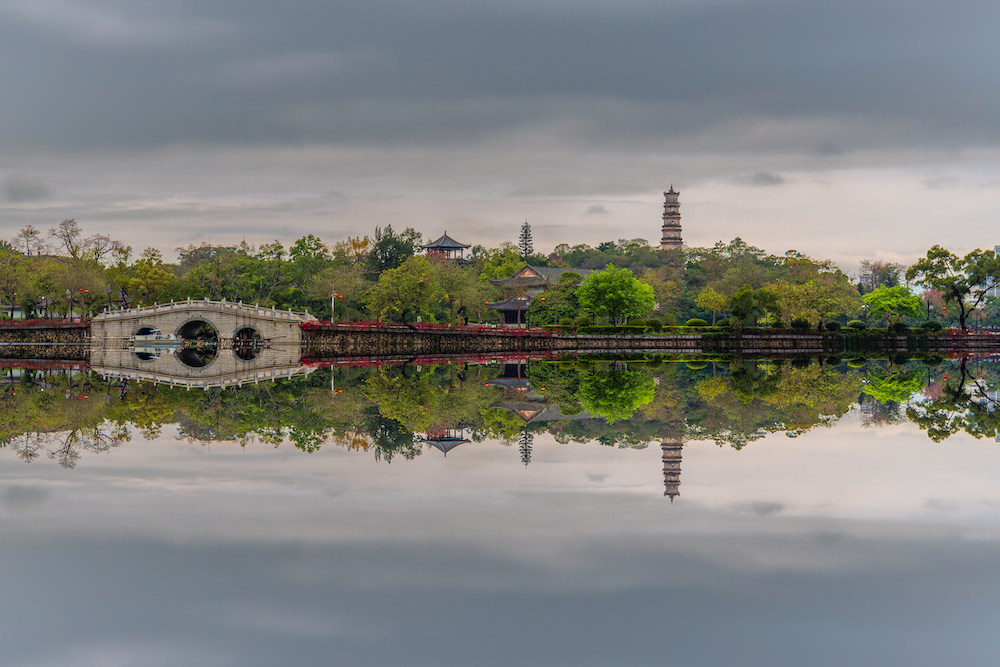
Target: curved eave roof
x=445, y=243
x=510, y=304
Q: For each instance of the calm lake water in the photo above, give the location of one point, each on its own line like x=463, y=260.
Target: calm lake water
x=214, y=535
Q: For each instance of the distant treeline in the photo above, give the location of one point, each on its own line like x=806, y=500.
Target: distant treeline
x=384, y=276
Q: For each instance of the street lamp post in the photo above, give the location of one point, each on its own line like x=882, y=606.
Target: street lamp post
x=84, y=293
x=69, y=296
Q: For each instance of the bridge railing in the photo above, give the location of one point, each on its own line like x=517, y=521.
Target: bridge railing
x=222, y=306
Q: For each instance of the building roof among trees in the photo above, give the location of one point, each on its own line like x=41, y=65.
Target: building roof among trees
x=445, y=243
x=537, y=276
x=510, y=304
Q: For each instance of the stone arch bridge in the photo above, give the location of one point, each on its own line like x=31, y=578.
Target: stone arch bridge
x=198, y=343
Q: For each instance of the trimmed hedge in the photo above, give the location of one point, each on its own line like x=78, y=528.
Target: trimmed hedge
x=857, y=325
x=931, y=325
x=697, y=322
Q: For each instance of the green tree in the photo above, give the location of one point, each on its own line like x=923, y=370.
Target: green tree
x=389, y=250
x=411, y=288
x=961, y=281
x=524, y=241
x=894, y=303
x=709, y=299
x=895, y=387
x=499, y=263
x=747, y=304
x=557, y=302
x=616, y=294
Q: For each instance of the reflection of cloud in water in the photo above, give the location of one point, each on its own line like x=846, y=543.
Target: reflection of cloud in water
x=942, y=505
x=24, y=498
x=761, y=508
x=597, y=478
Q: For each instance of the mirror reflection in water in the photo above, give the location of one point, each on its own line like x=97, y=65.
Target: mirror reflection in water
x=400, y=410
x=616, y=508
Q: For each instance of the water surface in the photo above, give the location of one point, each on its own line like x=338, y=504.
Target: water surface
x=210, y=538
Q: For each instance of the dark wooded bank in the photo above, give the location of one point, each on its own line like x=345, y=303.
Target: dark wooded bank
x=327, y=341
x=44, y=340
x=322, y=340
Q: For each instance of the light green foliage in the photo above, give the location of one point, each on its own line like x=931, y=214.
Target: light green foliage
x=617, y=393
x=559, y=302
x=616, y=294
x=894, y=303
x=747, y=305
x=895, y=387
x=500, y=263
x=349, y=282
x=710, y=300
x=409, y=289
x=817, y=299
x=388, y=250
x=666, y=291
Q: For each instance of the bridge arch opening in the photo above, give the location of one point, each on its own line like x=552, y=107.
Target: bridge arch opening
x=247, y=343
x=144, y=343
x=200, y=343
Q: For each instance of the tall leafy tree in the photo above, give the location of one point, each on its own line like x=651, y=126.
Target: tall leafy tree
x=749, y=304
x=409, y=289
x=894, y=303
x=709, y=299
x=616, y=294
x=389, y=250
x=962, y=281
x=560, y=301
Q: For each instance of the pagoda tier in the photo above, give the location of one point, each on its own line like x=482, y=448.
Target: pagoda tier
x=671, y=220
x=671, y=468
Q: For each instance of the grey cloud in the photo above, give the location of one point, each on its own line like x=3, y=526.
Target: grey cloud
x=828, y=148
x=764, y=178
x=398, y=73
x=19, y=188
x=939, y=182
x=597, y=209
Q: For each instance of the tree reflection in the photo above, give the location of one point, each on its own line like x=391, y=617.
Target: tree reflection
x=963, y=404
x=616, y=393
x=758, y=399
x=395, y=412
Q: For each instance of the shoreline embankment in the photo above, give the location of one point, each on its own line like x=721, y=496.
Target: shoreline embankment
x=45, y=339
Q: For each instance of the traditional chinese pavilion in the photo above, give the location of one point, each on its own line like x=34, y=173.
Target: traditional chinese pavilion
x=448, y=246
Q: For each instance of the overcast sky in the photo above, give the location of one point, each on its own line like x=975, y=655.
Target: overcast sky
x=844, y=130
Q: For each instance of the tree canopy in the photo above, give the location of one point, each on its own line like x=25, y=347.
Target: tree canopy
x=616, y=294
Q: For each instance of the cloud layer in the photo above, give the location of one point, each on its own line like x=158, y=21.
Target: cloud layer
x=489, y=113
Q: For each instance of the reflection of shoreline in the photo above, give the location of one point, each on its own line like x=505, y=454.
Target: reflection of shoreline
x=233, y=379
x=402, y=410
